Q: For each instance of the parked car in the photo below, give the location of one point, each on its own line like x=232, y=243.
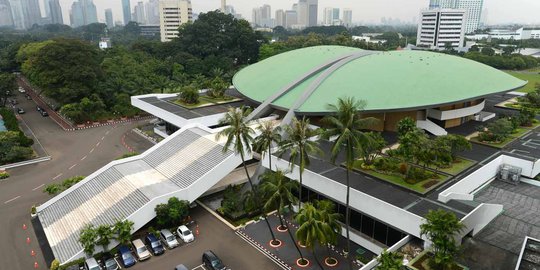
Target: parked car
x=111, y=264
x=20, y=111
x=44, y=113
x=91, y=264
x=28, y=97
x=211, y=261
x=155, y=245
x=127, y=257
x=185, y=234
x=181, y=267
x=140, y=250
x=168, y=238
x=22, y=90
x=38, y=108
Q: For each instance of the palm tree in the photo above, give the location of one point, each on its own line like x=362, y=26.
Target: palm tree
x=87, y=238
x=346, y=126
x=330, y=218
x=105, y=234
x=270, y=133
x=299, y=146
x=240, y=137
x=312, y=230
x=390, y=260
x=278, y=190
x=123, y=231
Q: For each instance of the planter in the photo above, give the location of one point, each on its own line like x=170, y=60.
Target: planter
x=330, y=261
x=33, y=211
x=301, y=263
x=280, y=229
x=278, y=243
x=300, y=244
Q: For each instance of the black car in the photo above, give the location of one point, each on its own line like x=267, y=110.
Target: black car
x=44, y=113
x=211, y=261
x=155, y=245
x=20, y=111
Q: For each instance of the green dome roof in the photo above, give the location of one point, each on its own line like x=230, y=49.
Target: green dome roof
x=396, y=80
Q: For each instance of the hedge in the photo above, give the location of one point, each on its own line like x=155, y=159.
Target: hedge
x=12, y=124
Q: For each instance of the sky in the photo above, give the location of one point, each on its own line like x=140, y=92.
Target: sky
x=365, y=11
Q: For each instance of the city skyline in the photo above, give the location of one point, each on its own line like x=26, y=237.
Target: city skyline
x=370, y=11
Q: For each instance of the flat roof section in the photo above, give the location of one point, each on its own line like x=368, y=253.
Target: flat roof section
x=530, y=255
x=520, y=217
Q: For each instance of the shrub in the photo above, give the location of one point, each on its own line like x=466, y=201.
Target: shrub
x=386, y=165
x=416, y=175
x=55, y=264
x=403, y=168
x=172, y=213
x=4, y=175
x=189, y=95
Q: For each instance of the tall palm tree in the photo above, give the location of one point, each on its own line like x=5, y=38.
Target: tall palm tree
x=277, y=191
x=346, y=125
x=105, y=234
x=299, y=146
x=87, y=238
x=330, y=219
x=123, y=231
x=269, y=133
x=240, y=137
x=312, y=229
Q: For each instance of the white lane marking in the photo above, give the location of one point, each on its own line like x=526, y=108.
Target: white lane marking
x=98, y=144
x=103, y=138
x=72, y=166
x=107, y=133
x=83, y=158
x=38, y=187
x=8, y=201
x=92, y=150
x=56, y=177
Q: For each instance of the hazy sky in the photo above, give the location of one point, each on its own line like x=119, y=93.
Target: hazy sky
x=499, y=11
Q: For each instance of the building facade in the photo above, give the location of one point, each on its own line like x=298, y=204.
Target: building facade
x=109, y=18
x=347, y=17
x=139, y=14
x=6, y=18
x=172, y=14
x=83, y=12
x=262, y=16
x=280, y=18
x=291, y=18
x=473, y=9
x=126, y=10
x=440, y=28
x=152, y=12
x=55, y=9
x=331, y=16
x=313, y=12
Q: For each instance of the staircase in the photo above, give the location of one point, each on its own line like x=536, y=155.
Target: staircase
x=431, y=127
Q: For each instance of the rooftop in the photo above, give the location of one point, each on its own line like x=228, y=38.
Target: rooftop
x=396, y=80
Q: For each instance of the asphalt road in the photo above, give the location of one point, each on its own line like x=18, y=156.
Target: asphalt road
x=235, y=253
x=73, y=153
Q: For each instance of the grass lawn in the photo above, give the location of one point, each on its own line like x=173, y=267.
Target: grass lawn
x=225, y=99
x=421, y=187
x=205, y=101
x=458, y=166
x=515, y=135
x=201, y=103
x=532, y=77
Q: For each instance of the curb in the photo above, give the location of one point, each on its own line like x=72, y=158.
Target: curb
x=140, y=133
x=24, y=163
x=111, y=123
x=262, y=249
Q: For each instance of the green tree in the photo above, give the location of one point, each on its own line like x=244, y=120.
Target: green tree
x=299, y=144
x=123, y=231
x=405, y=126
x=8, y=86
x=218, y=86
x=11, y=149
x=488, y=51
x=270, y=134
x=457, y=144
x=88, y=237
x=346, y=125
x=172, y=213
x=389, y=261
x=330, y=220
x=105, y=234
x=440, y=228
x=371, y=148
x=189, y=94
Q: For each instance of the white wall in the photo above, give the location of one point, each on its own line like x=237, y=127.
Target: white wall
x=457, y=113
x=480, y=217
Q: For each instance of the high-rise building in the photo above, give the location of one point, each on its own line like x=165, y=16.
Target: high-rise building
x=302, y=12
x=223, y=7
x=172, y=14
x=262, y=16
x=280, y=18
x=6, y=18
x=291, y=19
x=152, y=12
x=17, y=14
x=473, y=9
x=331, y=16
x=32, y=12
x=347, y=17
x=126, y=10
x=47, y=7
x=440, y=28
x=109, y=18
x=312, y=11
x=83, y=12
x=139, y=14
x=55, y=12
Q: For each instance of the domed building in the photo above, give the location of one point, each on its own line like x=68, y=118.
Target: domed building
x=438, y=90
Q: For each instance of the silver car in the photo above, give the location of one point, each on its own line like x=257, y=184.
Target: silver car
x=141, y=250
x=168, y=238
x=91, y=264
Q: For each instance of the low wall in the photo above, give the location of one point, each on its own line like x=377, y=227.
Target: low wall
x=373, y=263
x=479, y=218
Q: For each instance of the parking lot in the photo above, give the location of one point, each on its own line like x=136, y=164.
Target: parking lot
x=213, y=235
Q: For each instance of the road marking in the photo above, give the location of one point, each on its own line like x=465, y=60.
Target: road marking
x=72, y=166
x=83, y=158
x=107, y=133
x=56, y=177
x=92, y=150
x=38, y=187
x=98, y=144
x=8, y=201
x=103, y=138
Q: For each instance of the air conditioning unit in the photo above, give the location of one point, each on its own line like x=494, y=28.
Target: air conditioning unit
x=509, y=174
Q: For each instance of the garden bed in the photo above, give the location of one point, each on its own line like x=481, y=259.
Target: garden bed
x=421, y=263
x=205, y=101
x=421, y=187
x=458, y=166
x=519, y=132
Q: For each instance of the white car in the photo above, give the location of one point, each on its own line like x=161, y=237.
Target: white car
x=22, y=90
x=141, y=250
x=185, y=234
x=168, y=238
